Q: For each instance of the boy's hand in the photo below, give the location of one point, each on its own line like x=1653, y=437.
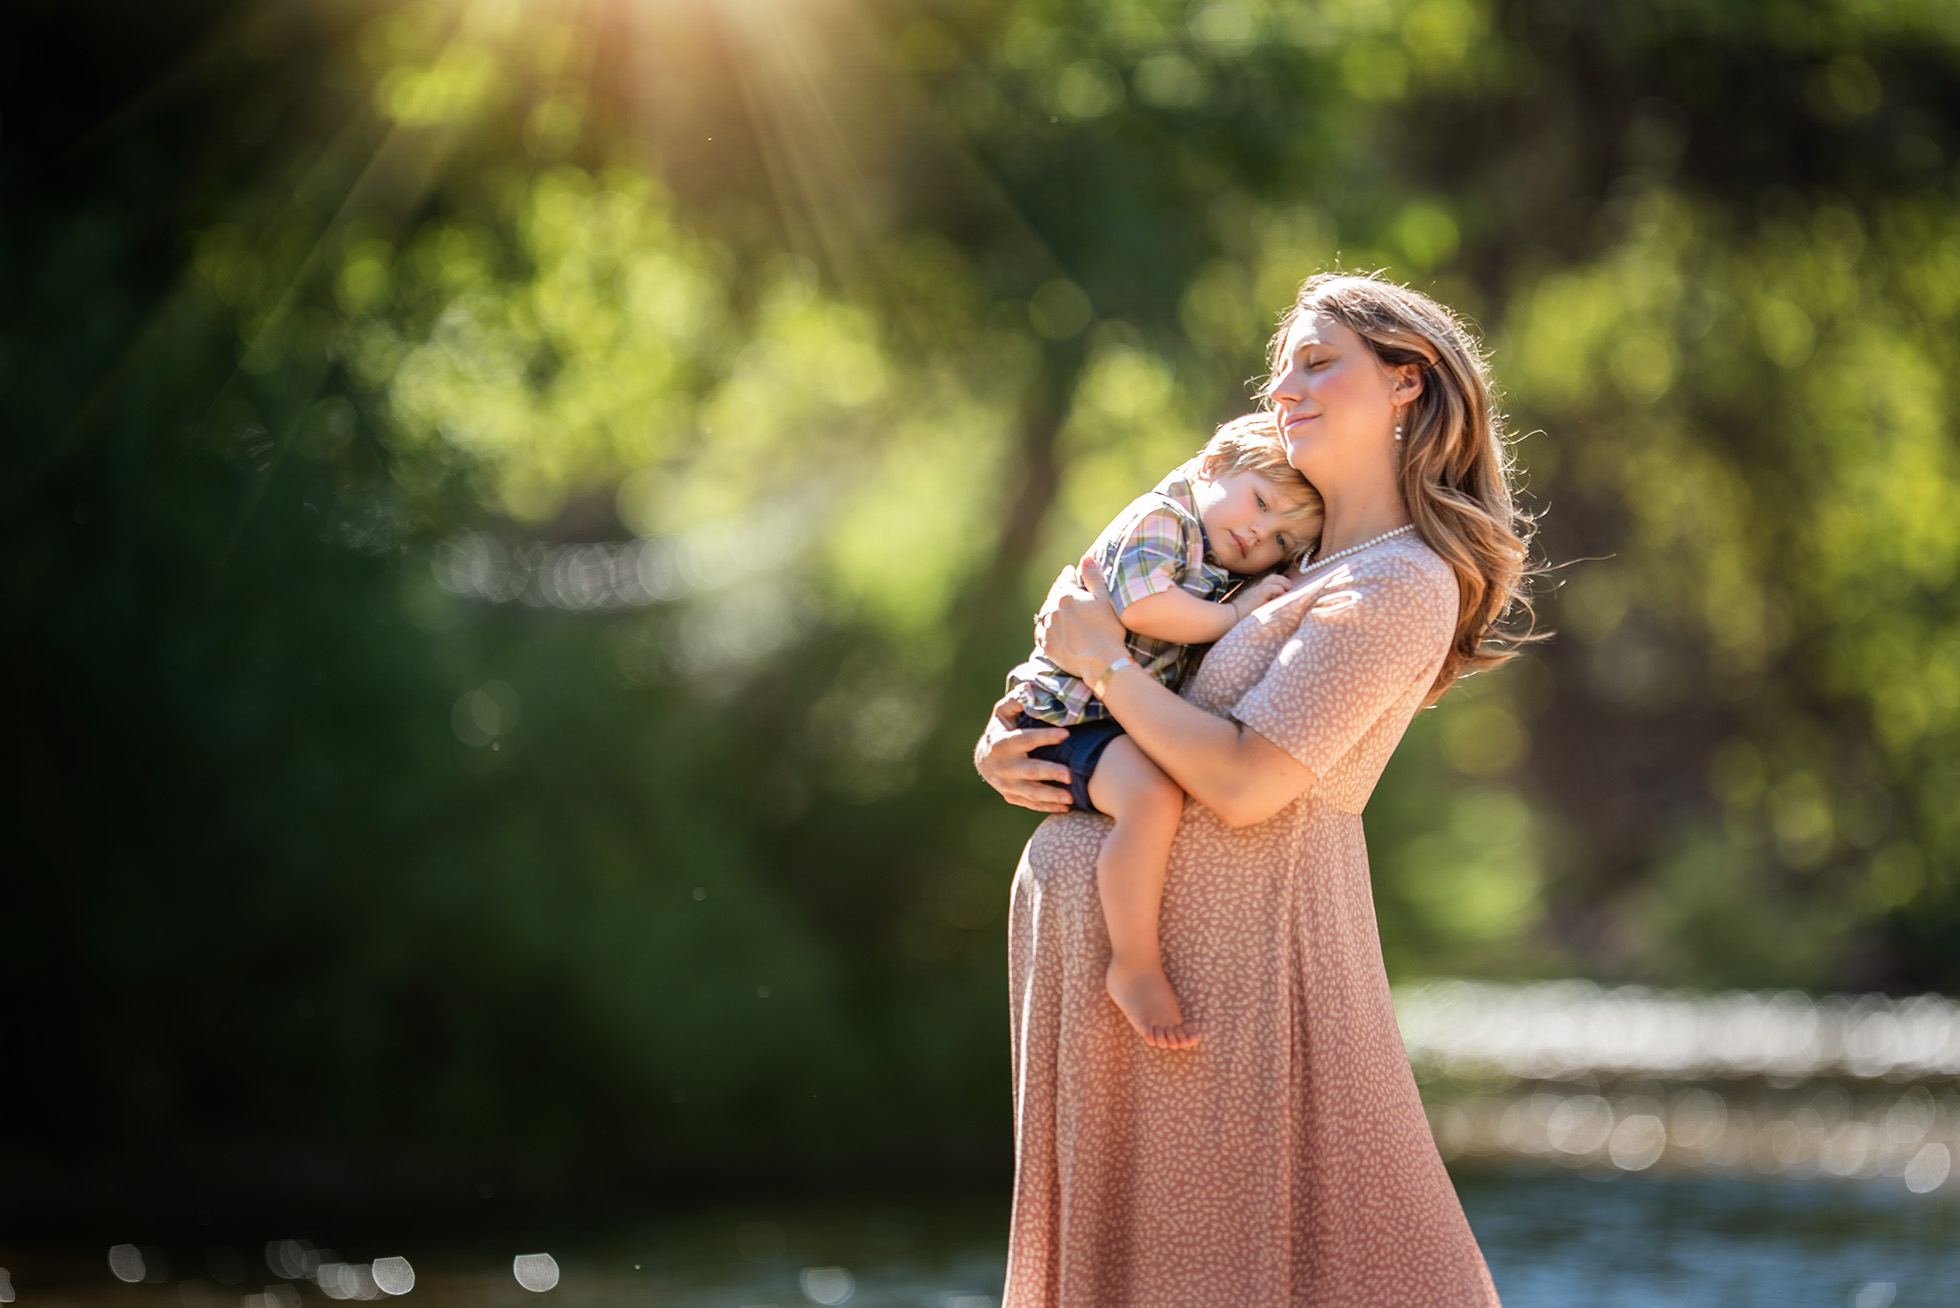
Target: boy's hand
x=1262, y=591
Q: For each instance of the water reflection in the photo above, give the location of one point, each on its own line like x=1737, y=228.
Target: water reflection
x=826, y=1285
x=1549, y=1030
x=1715, y=1241
x=1762, y=1139
x=346, y=1281
x=1552, y=1237
x=536, y=1272
x=293, y=1259
x=126, y=1262
x=1633, y=1079
x=393, y=1275
x=1812, y=1132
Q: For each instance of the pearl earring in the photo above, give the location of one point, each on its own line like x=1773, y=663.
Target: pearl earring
x=1398, y=431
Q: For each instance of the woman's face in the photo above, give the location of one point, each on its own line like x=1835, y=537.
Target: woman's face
x=1335, y=399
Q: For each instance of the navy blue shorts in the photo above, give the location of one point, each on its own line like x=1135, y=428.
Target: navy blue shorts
x=1085, y=744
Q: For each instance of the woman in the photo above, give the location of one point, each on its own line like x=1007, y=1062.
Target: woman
x=1286, y=1159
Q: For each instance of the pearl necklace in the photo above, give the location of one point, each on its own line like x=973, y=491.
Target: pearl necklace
x=1313, y=563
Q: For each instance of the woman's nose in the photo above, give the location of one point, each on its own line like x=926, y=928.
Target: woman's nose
x=1285, y=386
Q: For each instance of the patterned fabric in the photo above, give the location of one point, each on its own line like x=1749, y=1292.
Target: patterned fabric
x=1286, y=1161
x=1156, y=544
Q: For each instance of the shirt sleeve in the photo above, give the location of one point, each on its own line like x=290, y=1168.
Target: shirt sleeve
x=1363, y=642
x=1152, y=556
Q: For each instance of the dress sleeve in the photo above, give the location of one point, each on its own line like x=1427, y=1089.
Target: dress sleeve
x=1361, y=643
x=1152, y=555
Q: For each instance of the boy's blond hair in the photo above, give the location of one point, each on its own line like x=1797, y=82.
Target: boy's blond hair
x=1251, y=443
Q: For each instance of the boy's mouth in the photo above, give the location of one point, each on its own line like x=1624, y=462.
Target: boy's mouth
x=1238, y=545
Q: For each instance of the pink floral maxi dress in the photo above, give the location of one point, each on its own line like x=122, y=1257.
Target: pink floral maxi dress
x=1287, y=1160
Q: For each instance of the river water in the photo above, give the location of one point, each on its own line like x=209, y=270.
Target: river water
x=1552, y=1237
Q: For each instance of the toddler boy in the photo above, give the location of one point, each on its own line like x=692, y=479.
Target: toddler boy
x=1236, y=509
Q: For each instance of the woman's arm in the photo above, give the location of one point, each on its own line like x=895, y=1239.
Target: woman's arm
x=1236, y=773
x=1233, y=771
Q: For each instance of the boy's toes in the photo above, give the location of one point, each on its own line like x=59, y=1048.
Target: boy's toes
x=1182, y=1036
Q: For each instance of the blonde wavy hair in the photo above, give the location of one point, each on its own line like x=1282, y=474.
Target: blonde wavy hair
x=1456, y=460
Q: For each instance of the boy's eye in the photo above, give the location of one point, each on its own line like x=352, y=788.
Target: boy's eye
x=1260, y=500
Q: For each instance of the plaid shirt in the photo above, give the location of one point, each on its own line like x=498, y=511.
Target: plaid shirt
x=1155, y=544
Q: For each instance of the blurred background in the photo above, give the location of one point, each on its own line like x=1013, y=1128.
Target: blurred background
x=515, y=511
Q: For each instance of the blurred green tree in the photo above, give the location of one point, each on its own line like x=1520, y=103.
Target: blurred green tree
x=515, y=513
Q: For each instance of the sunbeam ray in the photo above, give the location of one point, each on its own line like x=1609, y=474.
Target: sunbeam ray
x=808, y=153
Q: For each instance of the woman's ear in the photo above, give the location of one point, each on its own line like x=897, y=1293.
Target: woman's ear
x=1405, y=383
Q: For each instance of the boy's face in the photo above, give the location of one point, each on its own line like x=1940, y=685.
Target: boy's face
x=1249, y=525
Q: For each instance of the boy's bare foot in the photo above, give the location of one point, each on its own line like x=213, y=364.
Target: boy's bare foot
x=1147, y=1000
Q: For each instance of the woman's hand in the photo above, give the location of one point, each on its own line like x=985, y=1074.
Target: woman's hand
x=1001, y=758
x=1078, y=628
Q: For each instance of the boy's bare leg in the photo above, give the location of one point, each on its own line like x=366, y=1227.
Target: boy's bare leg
x=1146, y=806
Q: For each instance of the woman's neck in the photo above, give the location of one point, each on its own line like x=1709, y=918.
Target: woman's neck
x=1357, y=513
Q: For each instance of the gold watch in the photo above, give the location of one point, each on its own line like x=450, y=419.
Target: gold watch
x=1101, y=684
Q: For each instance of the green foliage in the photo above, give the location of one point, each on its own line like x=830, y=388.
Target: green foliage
x=517, y=514
x=1777, y=433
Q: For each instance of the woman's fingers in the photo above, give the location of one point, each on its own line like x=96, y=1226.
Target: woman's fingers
x=1040, y=769
x=1037, y=784
x=1039, y=798
x=1020, y=744
x=1091, y=578
x=1003, y=763
x=1065, y=584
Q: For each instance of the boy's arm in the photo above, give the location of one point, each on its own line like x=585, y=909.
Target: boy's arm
x=1179, y=616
